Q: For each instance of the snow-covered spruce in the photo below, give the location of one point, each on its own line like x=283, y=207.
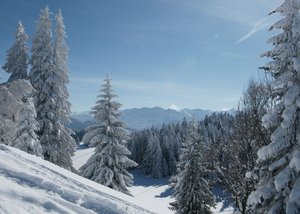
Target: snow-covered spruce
x=55, y=138
x=108, y=164
x=192, y=193
x=25, y=124
x=17, y=57
x=60, y=62
x=278, y=190
x=22, y=130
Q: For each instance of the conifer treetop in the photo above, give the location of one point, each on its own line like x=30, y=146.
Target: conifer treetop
x=17, y=56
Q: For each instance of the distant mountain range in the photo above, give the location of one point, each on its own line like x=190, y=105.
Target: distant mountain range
x=141, y=118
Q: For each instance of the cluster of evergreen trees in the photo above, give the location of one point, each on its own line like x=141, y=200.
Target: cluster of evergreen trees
x=38, y=101
x=157, y=150
x=34, y=109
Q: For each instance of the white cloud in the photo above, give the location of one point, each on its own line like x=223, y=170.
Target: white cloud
x=259, y=25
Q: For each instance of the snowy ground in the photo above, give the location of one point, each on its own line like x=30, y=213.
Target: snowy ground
x=30, y=185
x=153, y=194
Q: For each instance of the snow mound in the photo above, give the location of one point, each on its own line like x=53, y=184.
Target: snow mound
x=31, y=185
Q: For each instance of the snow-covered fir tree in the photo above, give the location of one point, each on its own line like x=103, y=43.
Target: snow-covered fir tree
x=26, y=126
x=55, y=138
x=24, y=121
x=63, y=106
x=278, y=190
x=108, y=165
x=192, y=193
x=60, y=61
x=17, y=57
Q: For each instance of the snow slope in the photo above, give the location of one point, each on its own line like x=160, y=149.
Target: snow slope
x=31, y=185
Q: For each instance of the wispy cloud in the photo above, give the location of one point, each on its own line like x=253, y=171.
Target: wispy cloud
x=259, y=25
x=250, y=14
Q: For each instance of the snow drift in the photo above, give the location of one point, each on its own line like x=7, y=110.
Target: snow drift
x=31, y=185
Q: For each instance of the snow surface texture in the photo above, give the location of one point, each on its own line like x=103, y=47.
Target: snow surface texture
x=31, y=185
x=153, y=194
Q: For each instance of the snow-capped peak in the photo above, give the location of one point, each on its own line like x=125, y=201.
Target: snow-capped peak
x=174, y=107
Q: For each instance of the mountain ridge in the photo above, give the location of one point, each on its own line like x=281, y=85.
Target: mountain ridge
x=145, y=117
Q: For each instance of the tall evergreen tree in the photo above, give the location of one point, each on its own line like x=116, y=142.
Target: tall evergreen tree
x=278, y=190
x=63, y=106
x=192, y=193
x=17, y=57
x=60, y=61
x=109, y=162
x=58, y=145
x=25, y=124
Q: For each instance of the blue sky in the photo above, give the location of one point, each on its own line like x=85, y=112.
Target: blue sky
x=191, y=53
